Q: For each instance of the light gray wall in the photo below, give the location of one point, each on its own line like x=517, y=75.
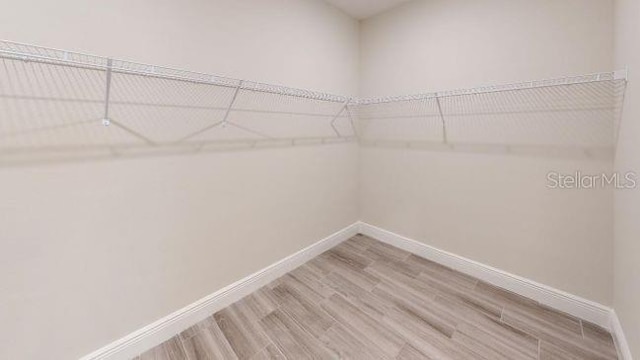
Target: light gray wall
x=626, y=299
x=93, y=251
x=75, y=256
x=435, y=45
x=493, y=208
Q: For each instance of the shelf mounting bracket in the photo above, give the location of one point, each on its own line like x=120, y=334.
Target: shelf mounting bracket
x=444, y=124
x=222, y=122
x=351, y=121
x=105, y=119
x=336, y=116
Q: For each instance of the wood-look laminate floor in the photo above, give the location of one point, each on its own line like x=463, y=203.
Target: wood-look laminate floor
x=367, y=300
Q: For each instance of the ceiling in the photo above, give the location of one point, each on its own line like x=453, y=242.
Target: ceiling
x=362, y=9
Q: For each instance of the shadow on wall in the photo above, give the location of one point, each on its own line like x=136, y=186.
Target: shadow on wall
x=540, y=151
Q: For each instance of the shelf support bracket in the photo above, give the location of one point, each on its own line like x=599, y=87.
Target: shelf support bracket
x=225, y=120
x=132, y=132
x=254, y=132
x=621, y=74
x=444, y=124
x=105, y=119
x=351, y=121
x=222, y=122
x=336, y=116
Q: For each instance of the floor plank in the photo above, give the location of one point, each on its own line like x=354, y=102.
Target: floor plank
x=241, y=331
x=349, y=346
x=365, y=299
x=408, y=352
x=363, y=325
x=208, y=344
x=270, y=352
x=291, y=339
x=171, y=349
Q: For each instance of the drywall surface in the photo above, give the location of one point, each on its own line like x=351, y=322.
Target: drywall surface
x=492, y=207
x=626, y=297
x=95, y=250
x=438, y=45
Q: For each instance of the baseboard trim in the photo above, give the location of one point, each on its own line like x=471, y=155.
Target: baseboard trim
x=165, y=328
x=624, y=351
x=546, y=295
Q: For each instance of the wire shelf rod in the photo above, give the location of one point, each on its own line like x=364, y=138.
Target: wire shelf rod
x=158, y=145
x=479, y=113
x=68, y=58
x=51, y=90
x=619, y=75
x=133, y=68
x=160, y=105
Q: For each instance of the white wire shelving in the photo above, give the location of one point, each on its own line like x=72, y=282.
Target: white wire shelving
x=56, y=103
x=59, y=102
x=579, y=112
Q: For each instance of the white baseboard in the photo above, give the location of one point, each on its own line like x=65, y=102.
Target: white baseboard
x=546, y=295
x=165, y=328
x=624, y=352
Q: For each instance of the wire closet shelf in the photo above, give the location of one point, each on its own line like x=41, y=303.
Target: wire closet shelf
x=577, y=112
x=63, y=103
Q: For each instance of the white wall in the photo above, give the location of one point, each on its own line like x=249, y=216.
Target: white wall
x=493, y=208
x=74, y=255
x=439, y=45
x=626, y=297
x=95, y=250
